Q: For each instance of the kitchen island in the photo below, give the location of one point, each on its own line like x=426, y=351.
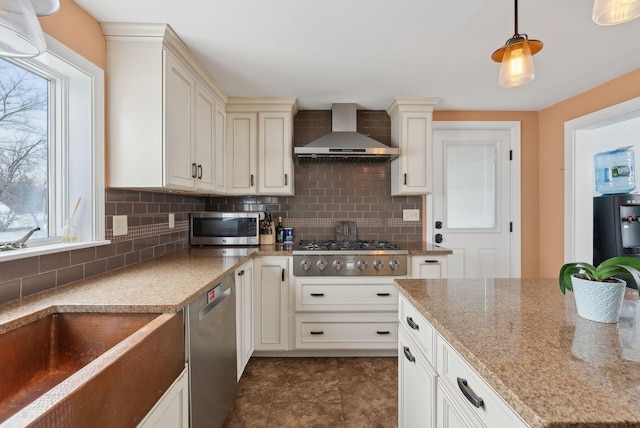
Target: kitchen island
x=526, y=340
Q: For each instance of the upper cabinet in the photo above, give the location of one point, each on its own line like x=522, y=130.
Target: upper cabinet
x=167, y=115
x=411, y=132
x=260, y=146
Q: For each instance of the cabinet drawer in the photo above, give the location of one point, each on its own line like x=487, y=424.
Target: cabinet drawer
x=493, y=411
x=418, y=329
x=346, y=332
x=320, y=295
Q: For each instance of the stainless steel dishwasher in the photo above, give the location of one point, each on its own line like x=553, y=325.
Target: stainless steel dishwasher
x=212, y=355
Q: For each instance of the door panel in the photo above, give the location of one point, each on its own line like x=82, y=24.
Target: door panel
x=471, y=197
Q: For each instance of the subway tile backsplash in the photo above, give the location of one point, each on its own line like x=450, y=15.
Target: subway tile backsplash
x=325, y=194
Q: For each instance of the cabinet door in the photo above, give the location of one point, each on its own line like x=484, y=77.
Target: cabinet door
x=417, y=387
x=241, y=152
x=271, y=286
x=429, y=267
x=205, y=133
x=415, y=153
x=172, y=410
x=178, y=114
x=275, y=162
x=244, y=315
x=220, y=149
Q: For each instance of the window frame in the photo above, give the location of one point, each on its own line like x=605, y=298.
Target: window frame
x=78, y=97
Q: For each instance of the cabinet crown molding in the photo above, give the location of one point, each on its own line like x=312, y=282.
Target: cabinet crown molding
x=250, y=105
x=412, y=104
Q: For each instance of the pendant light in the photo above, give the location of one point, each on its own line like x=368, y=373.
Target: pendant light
x=20, y=31
x=516, y=67
x=612, y=12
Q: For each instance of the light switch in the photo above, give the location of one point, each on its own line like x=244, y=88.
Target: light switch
x=120, y=226
x=411, y=215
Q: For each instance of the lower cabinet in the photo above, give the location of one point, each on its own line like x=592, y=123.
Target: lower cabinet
x=417, y=386
x=437, y=386
x=172, y=410
x=271, y=303
x=429, y=267
x=244, y=315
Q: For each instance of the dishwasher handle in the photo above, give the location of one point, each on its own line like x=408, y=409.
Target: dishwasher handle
x=206, y=309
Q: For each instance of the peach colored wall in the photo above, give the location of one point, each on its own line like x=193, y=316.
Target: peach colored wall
x=75, y=28
x=552, y=120
x=529, y=175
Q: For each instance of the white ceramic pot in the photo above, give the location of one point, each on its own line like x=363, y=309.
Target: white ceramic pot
x=599, y=301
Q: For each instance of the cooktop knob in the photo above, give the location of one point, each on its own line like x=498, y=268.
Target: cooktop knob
x=362, y=265
x=394, y=264
x=305, y=265
x=377, y=264
x=321, y=264
x=337, y=264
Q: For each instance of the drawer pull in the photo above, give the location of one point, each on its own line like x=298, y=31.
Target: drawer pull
x=468, y=392
x=408, y=355
x=317, y=294
x=412, y=323
x=384, y=294
x=383, y=332
x=316, y=332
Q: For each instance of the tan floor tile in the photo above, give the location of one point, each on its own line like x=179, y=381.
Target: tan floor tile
x=307, y=415
x=370, y=404
x=316, y=391
x=248, y=414
x=380, y=369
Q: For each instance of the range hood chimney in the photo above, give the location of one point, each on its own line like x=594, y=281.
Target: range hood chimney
x=343, y=143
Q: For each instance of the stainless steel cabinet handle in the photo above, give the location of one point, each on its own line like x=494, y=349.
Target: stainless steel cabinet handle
x=412, y=323
x=194, y=170
x=316, y=332
x=382, y=333
x=469, y=394
x=286, y=179
x=199, y=172
x=317, y=294
x=282, y=274
x=408, y=355
x=431, y=261
x=251, y=180
x=405, y=179
x=384, y=294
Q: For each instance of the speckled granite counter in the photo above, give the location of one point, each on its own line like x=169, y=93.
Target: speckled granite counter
x=165, y=284
x=424, y=249
x=525, y=338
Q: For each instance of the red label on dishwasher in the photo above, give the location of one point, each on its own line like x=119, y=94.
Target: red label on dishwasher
x=211, y=295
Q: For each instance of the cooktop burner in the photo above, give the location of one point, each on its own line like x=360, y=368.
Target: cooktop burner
x=332, y=245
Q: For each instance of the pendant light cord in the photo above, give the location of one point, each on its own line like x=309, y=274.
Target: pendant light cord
x=516, y=19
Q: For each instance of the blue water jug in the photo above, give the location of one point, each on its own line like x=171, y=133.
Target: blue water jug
x=615, y=171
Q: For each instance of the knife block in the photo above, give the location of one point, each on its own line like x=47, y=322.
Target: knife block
x=268, y=238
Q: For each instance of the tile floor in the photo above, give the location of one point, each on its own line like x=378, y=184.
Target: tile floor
x=317, y=392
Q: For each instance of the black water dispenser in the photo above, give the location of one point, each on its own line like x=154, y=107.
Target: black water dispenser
x=616, y=226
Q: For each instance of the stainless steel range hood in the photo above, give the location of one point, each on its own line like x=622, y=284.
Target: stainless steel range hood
x=343, y=143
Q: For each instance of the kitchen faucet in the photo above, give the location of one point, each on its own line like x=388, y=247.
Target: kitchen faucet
x=20, y=243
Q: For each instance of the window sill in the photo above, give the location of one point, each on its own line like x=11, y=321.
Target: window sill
x=47, y=249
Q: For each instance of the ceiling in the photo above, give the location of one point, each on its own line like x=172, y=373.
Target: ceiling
x=370, y=52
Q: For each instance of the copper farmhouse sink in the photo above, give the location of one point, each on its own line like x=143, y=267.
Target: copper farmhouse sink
x=57, y=367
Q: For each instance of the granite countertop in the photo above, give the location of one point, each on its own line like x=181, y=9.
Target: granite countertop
x=425, y=249
x=526, y=340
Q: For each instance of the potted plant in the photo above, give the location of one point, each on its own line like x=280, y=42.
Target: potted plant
x=598, y=290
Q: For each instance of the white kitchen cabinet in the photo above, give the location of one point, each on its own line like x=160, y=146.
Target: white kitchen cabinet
x=429, y=267
x=345, y=313
x=244, y=315
x=260, y=146
x=411, y=133
x=448, y=405
x=172, y=410
x=165, y=128
x=271, y=298
x=417, y=386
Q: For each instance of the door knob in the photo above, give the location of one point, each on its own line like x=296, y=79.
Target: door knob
x=438, y=238
x=438, y=225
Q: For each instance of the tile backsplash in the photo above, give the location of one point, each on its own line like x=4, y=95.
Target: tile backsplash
x=325, y=194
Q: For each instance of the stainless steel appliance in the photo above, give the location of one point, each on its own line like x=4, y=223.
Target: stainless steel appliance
x=211, y=332
x=225, y=228
x=349, y=258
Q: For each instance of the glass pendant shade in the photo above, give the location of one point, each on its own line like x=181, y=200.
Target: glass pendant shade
x=612, y=12
x=516, y=68
x=20, y=31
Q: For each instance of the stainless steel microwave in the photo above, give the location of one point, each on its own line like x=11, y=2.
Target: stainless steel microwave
x=216, y=228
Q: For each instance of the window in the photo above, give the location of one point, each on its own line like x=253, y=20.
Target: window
x=51, y=150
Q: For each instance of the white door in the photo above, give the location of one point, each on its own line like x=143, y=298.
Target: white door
x=476, y=197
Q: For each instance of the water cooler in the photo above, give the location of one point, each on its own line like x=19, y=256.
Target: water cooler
x=616, y=226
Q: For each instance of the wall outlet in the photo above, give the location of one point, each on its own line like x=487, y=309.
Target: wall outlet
x=411, y=215
x=120, y=226
x=172, y=221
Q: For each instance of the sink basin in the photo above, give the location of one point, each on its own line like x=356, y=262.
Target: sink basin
x=57, y=360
